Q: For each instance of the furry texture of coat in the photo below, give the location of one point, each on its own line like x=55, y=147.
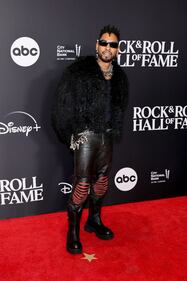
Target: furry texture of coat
x=81, y=99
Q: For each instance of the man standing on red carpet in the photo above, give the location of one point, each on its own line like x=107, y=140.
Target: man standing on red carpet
x=88, y=116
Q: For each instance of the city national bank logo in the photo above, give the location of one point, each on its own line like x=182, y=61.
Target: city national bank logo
x=65, y=53
x=12, y=125
x=144, y=53
x=18, y=191
x=126, y=179
x=25, y=51
x=159, y=118
x=160, y=177
x=65, y=187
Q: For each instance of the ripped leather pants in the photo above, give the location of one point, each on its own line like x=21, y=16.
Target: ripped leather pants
x=92, y=163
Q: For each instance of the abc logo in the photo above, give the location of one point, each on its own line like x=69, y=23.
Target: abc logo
x=25, y=51
x=126, y=179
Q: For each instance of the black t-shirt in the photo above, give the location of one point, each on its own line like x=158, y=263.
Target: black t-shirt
x=108, y=103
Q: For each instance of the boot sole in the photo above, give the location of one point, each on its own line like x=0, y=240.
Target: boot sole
x=74, y=251
x=103, y=237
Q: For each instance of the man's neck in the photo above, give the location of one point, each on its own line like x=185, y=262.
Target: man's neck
x=104, y=65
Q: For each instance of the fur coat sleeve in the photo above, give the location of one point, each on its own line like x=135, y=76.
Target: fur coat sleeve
x=63, y=108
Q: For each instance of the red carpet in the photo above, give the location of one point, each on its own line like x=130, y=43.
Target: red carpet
x=150, y=245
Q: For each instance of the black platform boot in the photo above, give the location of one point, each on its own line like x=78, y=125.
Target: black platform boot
x=94, y=223
x=74, y=245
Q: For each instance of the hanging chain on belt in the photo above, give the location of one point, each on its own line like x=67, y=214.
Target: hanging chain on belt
x=76, y=142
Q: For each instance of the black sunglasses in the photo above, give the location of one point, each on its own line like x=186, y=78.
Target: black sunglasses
x=104, y=43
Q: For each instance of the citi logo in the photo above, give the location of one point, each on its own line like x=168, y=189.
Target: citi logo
x=160, y=177
x=126, y=179
x=25, y=51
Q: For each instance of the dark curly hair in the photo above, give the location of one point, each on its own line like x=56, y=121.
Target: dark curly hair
x=110, y=29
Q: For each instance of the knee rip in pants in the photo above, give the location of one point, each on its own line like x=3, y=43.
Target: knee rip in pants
x=101, y=185
x=80, y=193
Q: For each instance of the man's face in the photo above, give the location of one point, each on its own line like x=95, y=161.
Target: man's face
x=107, y=53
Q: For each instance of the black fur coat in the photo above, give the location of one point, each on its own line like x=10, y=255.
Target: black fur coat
x=81, y=98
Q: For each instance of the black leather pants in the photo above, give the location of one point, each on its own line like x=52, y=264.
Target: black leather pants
x=92, y=163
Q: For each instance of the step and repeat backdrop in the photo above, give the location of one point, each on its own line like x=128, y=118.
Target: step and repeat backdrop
x=38, y=39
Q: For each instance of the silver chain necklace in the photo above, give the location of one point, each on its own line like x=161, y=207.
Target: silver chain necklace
x=109, y=72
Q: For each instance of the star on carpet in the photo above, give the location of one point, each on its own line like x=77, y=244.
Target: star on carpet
x=89, y=257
